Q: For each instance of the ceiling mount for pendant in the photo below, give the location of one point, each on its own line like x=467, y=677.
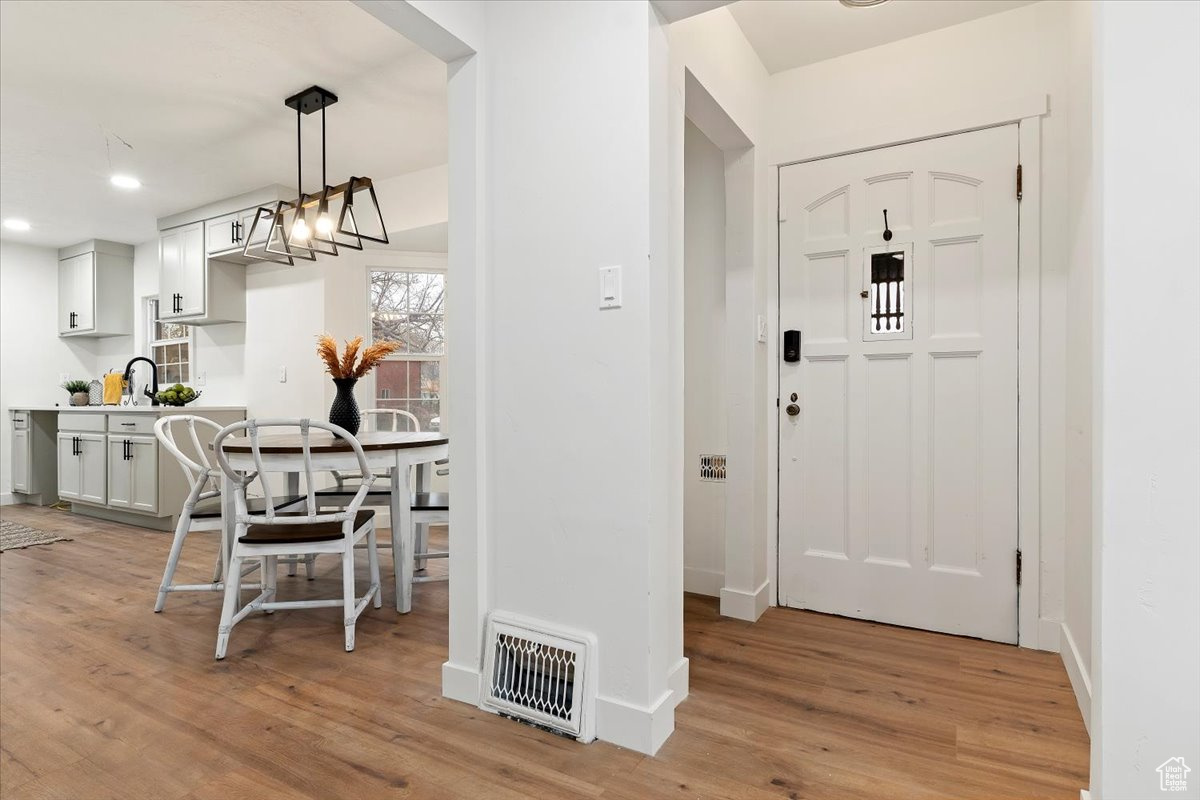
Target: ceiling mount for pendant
x=311, y=100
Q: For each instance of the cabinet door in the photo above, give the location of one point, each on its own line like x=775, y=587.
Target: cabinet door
x=93, y=468
x=223, y=233
x=192, y=272
x=20, y=460
x=143, y=451
x=69, y=464
x=260, y=231
x=76, y=294
x=120, y=473
x=170, y=268
x=85, y=291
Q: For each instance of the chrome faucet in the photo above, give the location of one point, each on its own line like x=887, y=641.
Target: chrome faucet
x=152, y=392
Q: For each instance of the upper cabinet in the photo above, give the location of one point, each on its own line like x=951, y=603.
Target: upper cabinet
x=202, y=269
x=95, y=289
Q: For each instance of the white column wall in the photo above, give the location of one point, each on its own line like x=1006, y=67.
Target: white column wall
x=1146, y=642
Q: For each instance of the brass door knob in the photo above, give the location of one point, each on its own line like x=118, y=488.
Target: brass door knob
x=792, y=409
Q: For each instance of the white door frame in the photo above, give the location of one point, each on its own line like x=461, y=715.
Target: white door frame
x=1027, y=112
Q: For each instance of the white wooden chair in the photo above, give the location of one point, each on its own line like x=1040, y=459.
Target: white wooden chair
x=202, y=507
x=430, y=508
x=271, y=534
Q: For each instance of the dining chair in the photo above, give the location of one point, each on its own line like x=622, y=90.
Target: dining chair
x=270, y=534
x=427, y=507
x=201, y=508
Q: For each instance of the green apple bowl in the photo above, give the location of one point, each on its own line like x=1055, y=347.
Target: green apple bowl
x=177, y=395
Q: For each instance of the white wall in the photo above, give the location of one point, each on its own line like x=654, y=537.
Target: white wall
x=704, y=361
x=1076, y=642
x=32, y=356
x=1146, y=646
x=966, y=67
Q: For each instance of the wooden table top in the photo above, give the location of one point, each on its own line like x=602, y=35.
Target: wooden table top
x=321, y=441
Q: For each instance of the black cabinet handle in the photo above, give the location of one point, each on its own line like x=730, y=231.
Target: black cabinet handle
x=237, y=232
x=71, y=320
x=74, y=445
x=127, y=452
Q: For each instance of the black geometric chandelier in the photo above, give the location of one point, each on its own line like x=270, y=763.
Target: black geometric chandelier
x=321, y=222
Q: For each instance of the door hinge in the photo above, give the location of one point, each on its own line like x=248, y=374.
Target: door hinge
x=1020, y=183
x=1018, y=566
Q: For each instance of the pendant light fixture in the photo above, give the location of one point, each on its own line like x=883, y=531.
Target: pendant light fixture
x=305, y=227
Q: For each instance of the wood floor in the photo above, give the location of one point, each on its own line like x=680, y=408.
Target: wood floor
x=101, y=698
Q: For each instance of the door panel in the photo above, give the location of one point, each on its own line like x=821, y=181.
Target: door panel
x=20, y=460
x=898, y=493
x=68, y=467
x=120, y=476
x=144, y=474
x=192, y=271
x=93, y=469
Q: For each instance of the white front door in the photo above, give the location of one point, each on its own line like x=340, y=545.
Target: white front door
x=898, y=456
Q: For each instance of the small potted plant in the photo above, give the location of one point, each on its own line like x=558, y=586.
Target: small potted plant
x=78, y=391
x=345, y=373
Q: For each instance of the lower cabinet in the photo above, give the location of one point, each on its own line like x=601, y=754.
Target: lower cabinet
x=82, y=471
x=133, y=473
x=21, y=458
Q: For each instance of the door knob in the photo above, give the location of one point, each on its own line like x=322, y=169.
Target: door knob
x=792, y=409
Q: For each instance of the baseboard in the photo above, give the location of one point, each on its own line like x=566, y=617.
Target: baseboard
x=703, y=581
x=745, y=605
x=643, y=729
x=1080, y=680
x=460, y=683
x=1084, y=794
x=1049, y=635
x=678, y=682
x=7, y=499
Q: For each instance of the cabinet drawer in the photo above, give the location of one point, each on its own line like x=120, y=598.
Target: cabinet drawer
x=132, y=423
x=20, y=421
x=81, y=421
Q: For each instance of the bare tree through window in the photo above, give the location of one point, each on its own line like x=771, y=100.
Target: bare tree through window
x=409, y=307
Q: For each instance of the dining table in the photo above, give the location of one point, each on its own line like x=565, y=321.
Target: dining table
x=393, y=452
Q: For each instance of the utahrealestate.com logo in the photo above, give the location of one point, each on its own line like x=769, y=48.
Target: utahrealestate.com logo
x=1172, y=775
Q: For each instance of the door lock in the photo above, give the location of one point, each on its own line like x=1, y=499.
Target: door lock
x=792, y=409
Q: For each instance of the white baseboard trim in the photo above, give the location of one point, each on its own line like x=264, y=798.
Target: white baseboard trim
x=678, y=682
x=460, y=683
x=1049, y=635
x=1081, y=682
x=703, y=581
x=7, y=499
x=745, y=605
x=1084, y=794
x=634, y=727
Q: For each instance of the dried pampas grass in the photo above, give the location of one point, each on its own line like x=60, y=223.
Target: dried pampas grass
x=343, y=366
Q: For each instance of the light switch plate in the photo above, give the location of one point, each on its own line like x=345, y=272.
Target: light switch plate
x=63, y=377
x=201, y=378
x=610, y=287
x=283, y=374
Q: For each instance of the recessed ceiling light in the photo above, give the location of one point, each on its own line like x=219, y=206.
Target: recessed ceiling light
x=861, y=3
x=16, y=224
x=125, y=182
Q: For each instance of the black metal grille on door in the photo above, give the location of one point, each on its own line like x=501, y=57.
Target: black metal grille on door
x=887, y=292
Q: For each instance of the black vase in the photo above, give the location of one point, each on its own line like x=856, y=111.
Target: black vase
x=344, y=411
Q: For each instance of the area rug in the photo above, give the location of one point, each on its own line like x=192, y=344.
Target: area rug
x=14, y=536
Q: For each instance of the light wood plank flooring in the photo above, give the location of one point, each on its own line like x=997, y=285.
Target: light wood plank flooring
x=101, y=698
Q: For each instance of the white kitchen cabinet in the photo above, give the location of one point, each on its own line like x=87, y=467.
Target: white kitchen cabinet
x=82, y=467
x=133, y=473
x=194, y=289
x=95, y=287
x=22, y=458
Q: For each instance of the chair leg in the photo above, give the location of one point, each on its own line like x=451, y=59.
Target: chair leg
x=348, y=595
x=270, y=578
x=373, y=565
x=292, y=568
x=422, y=544
x=310, y=566
x=217, y=571
x=181, y=532
x=233, y=586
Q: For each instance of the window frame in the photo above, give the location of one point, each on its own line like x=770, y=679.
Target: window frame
x=150, y=312
x=439, y=358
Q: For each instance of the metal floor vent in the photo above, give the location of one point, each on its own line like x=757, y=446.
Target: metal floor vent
x=540, y=674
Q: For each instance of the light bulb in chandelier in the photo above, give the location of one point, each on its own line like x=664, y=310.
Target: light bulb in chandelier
x=300, y=230
x=324, y=223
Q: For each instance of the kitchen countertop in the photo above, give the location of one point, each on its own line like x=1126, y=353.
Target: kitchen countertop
x=146, y=409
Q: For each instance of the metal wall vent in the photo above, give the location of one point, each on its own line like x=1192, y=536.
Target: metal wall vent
x=536, y=673
x=712, y=468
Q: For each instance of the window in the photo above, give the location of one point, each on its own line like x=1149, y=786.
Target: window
x=409, y=307
x=170, y=346
x=887, y=292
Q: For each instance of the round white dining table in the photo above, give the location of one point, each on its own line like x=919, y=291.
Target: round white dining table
x=393, y=451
